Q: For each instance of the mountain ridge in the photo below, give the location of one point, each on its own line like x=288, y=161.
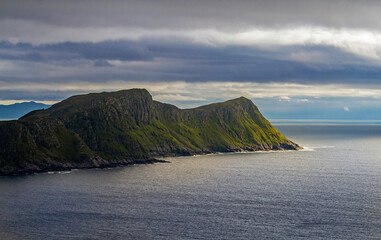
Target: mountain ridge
x=16, y=110
x=126, y=127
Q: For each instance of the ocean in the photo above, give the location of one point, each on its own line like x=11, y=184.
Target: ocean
x=329, y=190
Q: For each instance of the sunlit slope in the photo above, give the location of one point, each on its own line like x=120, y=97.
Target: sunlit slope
x=105, y=129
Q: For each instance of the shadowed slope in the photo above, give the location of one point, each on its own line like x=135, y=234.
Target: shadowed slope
x=107, y=129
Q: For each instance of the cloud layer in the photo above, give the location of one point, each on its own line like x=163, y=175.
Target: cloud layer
x=182, y=14
x=181, y=60
x=282, y=52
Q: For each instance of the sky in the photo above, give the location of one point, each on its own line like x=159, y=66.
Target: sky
x=294, y=58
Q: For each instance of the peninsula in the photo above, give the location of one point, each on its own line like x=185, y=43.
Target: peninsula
x=126, y=127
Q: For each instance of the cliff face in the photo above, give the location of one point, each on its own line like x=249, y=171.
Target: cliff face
x=107, y=129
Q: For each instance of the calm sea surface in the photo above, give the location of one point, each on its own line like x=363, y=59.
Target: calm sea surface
x=330, y=190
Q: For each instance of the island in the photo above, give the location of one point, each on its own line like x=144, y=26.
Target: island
x=128, y=127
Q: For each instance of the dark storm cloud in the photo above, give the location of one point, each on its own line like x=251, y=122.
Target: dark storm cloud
x=174, y=60
x=192, y=52
x=102, y=63
x=182, y=14
x=111, y=50
x=187, y=51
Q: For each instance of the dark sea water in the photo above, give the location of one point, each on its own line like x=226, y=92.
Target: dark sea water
x=330, y=190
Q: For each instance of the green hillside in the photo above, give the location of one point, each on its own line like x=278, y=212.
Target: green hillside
x=116, y=128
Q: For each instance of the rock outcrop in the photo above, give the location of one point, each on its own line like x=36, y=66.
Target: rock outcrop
x=125, y=127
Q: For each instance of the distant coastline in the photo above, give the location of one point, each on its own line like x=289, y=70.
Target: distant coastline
x=324, y=121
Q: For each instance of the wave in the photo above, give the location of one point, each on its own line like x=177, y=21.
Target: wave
x=313, y=148
x=56, y=172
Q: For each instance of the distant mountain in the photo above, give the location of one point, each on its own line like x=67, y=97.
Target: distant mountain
x=17, y=110
x=115, y=128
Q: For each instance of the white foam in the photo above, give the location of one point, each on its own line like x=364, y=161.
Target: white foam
x=313, y=148
x=58, y=172
x=307, y=149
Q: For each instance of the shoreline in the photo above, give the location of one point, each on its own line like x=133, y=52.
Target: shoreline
x=243, y=152
x=161, y=159
x=30, y=171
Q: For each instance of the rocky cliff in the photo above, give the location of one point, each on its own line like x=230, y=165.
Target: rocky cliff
x=124, y=127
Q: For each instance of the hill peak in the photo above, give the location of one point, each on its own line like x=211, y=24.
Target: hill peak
x=133, y=91
x=241, y=99
x=111, y=128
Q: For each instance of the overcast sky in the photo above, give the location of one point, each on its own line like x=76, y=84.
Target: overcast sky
x=293, y=58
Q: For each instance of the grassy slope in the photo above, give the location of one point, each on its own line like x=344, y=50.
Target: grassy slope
x=96, y=129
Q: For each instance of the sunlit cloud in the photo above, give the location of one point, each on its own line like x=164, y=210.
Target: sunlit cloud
x=203, y=91
x=284, y=98
x=362, y=42
x=177, y=97
x=302, y=100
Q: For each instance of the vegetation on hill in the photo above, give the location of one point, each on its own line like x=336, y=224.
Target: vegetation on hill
x=115, y=128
